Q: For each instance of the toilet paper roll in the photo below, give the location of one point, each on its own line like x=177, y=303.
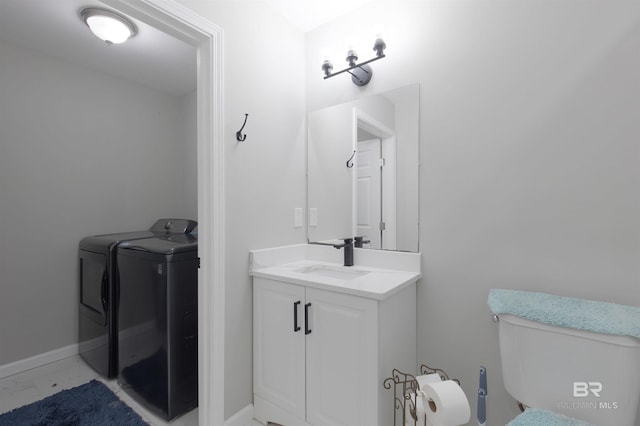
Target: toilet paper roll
x=409, y=421
x=421, y=412
x=428, y=378
x=419, y=401
x=445, y=404
x=420, y=407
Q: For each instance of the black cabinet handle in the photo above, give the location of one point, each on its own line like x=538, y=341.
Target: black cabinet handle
x=296, y=327
x=307, y=330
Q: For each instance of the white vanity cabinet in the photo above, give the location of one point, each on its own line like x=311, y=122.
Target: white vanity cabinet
x=278, y=350
x=321, y=356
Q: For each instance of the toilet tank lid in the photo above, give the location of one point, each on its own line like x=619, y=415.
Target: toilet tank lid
x=562, y=311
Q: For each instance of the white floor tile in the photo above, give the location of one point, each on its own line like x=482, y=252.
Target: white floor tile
x=33, y=385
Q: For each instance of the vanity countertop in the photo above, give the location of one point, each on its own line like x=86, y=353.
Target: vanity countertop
x=364, y=281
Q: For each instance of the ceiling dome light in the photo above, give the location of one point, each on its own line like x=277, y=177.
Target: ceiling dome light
x=108, y=26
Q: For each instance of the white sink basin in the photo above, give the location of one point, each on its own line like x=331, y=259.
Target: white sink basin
x=377, y=274
x=339, y=272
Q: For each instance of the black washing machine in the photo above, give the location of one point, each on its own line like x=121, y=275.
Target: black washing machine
x=158, y=322
x=98, y=292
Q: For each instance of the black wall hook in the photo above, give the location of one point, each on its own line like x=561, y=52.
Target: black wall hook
x=239, y=134
x=349, y=161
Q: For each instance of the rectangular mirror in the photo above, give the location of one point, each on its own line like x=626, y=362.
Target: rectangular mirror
x=363, y=170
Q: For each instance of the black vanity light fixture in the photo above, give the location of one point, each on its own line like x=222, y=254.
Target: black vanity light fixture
x=108, y=25
x=360, y=73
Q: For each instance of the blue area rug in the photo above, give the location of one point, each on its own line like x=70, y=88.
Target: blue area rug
x=92, y=404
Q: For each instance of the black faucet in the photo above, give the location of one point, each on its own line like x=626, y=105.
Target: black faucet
x=359, y=241
x=348, y=251
x=348, y=248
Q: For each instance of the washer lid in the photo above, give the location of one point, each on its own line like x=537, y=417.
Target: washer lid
x=165, y=244
x=102, y=243
x=173, y=226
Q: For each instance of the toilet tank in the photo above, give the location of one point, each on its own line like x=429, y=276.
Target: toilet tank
x=589, y=376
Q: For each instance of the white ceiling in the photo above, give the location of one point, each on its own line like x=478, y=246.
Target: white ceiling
x=309, y=14
x=151, y=58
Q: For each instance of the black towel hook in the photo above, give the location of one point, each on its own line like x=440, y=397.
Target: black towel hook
x=239, y=134
x=349, y=162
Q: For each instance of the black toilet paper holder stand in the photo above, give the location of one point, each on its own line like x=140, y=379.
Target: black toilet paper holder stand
x=404, y=392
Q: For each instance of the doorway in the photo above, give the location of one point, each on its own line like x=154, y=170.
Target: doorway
x=374, y=187
x=207, y=38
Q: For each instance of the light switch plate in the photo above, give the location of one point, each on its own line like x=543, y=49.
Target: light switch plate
x=313, y=216
x=297, y=217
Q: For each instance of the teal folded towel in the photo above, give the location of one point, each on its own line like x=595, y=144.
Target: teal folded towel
x=539, y=417
x=590, y=315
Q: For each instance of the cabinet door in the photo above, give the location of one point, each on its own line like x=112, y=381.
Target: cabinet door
x=278, y=358
x=342, y=359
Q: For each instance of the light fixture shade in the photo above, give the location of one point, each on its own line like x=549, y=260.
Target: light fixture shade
x=108, y=26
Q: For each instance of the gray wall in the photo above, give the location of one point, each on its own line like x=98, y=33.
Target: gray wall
x=81, y=153
x=529, y=152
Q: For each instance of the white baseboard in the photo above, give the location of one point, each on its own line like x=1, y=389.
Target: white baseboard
x=243, y=417
x=265, y=412
x=38, y=360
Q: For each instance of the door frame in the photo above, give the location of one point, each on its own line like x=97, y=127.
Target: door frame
x=373, y=126
x=374, y=196
x=207, y=38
